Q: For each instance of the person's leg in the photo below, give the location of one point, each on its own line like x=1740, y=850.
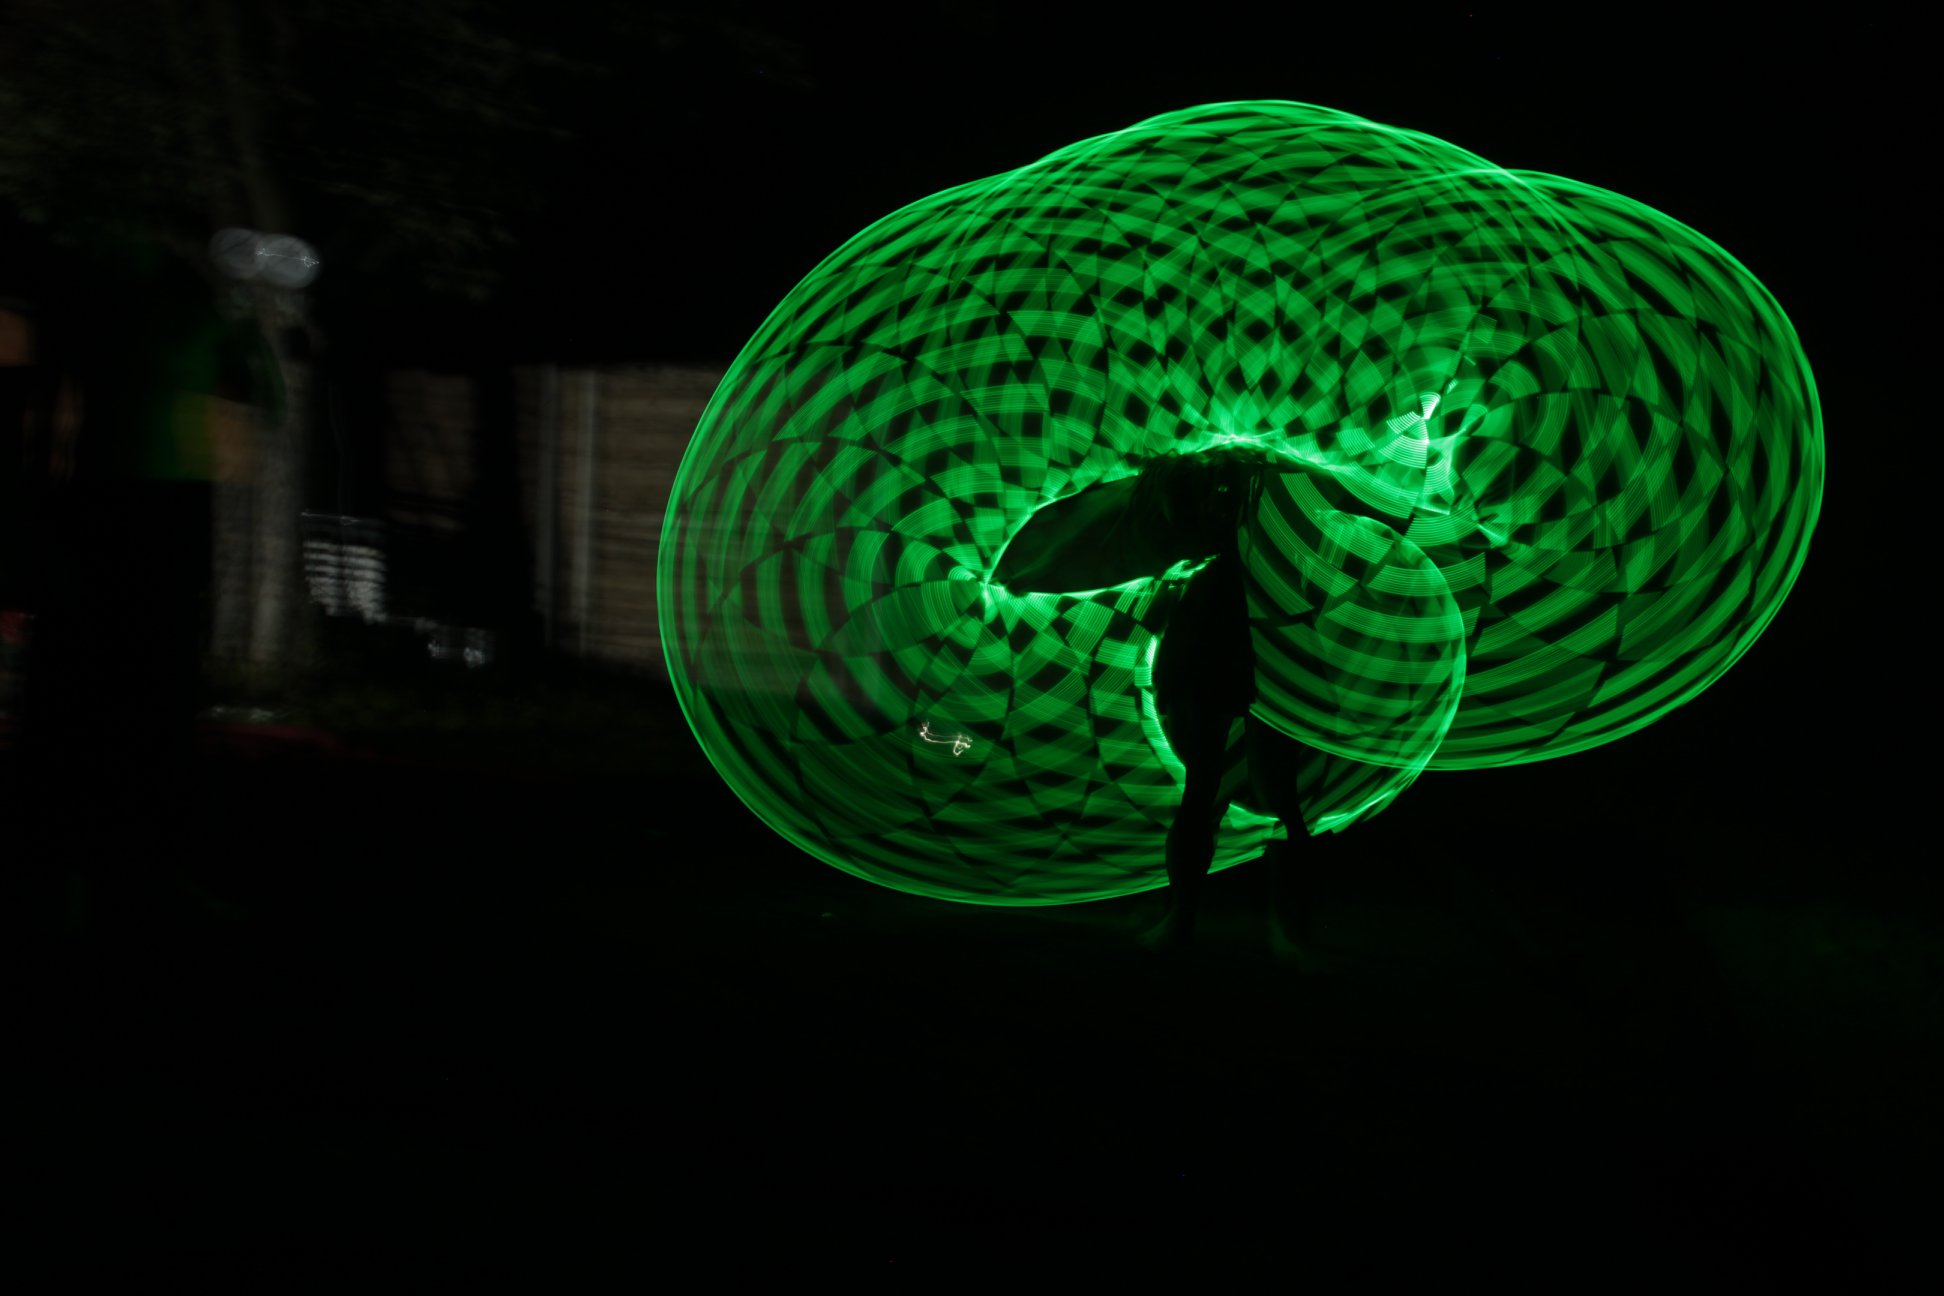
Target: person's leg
x=1293, y=875
x=1191, y=849
x=1275, y=775
x=1201, y=741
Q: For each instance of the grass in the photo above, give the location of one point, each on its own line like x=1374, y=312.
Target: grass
x=566, y=718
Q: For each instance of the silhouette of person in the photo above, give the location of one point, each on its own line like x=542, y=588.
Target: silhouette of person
x=1187, y=507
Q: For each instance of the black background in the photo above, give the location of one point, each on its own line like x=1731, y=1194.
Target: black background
x=609, y=1022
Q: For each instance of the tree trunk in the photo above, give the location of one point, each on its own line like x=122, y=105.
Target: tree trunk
x=260, y=562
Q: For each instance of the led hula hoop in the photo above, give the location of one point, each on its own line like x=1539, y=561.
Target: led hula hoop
x=1547, y=462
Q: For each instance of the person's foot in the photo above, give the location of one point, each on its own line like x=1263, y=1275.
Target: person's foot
x=1294, y=945
x=1168, y=935
x=1292, y=954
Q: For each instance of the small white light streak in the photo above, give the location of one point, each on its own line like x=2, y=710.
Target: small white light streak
x=958, y=742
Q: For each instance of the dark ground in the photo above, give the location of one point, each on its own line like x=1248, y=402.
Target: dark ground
x=489, y=980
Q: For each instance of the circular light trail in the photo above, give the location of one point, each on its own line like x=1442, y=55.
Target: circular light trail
x=1543, y=464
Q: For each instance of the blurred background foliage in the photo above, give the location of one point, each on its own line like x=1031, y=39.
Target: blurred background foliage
x=414, y=142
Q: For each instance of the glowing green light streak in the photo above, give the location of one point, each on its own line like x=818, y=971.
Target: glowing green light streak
x=1550, y=462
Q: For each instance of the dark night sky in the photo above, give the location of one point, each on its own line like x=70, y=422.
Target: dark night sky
x=688, y=211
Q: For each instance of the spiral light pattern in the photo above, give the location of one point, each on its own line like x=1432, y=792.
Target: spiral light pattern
x=1548, y=464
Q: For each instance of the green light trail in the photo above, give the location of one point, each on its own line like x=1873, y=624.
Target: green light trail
x=1548, y=463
